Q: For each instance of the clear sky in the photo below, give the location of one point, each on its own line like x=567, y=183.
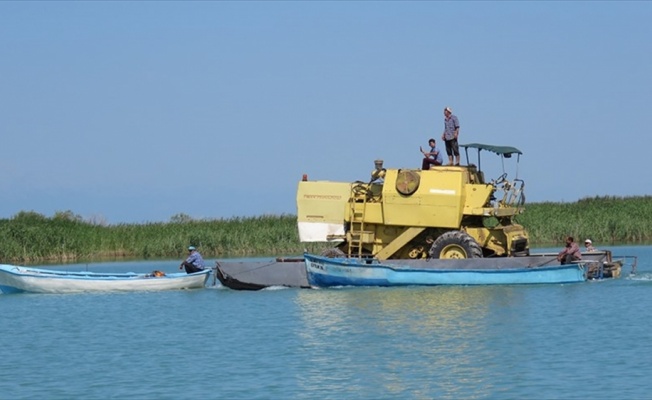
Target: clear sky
x=131, y=112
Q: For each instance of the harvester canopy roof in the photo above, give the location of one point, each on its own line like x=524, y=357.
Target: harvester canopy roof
x=505, y=151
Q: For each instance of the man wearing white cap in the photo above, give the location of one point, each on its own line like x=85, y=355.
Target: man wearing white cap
x=451, y=132
x=589, y=245
x=194, y=262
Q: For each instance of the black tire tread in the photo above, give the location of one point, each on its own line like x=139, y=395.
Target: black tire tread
x=462, y=239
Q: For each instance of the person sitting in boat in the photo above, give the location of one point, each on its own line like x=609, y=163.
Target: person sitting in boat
x=570, y=253
x=588, y=244
x=194, y=262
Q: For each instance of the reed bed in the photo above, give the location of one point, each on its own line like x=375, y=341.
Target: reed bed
x=606, y=220
x=29, y=237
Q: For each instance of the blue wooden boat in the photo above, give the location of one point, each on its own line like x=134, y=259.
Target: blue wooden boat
x=16, y=279
x=330, y=272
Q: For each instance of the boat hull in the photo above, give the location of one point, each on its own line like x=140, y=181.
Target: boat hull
x=330, y=272
x=15, y=279
x=256, y=275
x=291, y=272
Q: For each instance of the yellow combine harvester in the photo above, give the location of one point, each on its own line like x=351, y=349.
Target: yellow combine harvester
x=444, y=212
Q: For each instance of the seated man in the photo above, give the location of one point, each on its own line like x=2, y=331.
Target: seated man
x=433, y=157
x=570, y=253
x=589, y=245
x=194, y=262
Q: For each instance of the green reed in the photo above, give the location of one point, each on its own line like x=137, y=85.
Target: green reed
x=605, y=220
x=30, y=237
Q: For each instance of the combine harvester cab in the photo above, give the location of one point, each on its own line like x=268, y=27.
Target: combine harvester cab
x=443, y=212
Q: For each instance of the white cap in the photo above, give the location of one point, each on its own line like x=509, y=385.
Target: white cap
x=588, y=241
x=448, y=109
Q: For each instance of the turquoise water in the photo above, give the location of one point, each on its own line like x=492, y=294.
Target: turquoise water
x=590, y=340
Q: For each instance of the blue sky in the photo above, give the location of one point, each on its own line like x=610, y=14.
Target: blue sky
x=131, y=112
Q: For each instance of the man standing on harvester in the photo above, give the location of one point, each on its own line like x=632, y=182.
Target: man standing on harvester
x=451, y=132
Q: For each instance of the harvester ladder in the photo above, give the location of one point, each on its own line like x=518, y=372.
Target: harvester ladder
x=357, y=233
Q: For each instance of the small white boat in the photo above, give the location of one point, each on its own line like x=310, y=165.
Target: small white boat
x=16, y=279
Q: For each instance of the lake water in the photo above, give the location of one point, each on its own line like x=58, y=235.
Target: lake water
x=580, y=341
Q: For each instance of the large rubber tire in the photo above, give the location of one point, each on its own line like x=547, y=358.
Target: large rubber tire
x=455, y=244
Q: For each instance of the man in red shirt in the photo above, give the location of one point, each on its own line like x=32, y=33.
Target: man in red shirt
x=570, y=253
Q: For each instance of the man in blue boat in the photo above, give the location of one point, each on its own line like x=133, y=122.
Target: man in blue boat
x=194, y=262
x=432, y=157
x=570, y=253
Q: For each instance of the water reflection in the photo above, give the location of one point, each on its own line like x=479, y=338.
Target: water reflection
x=419, y=342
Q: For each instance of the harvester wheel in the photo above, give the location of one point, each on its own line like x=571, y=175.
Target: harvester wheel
x=455, y=244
